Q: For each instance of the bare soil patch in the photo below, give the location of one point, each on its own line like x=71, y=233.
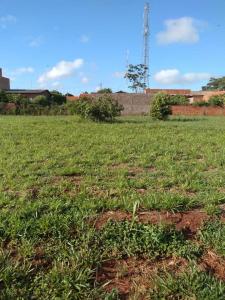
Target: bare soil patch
x=214, y=264
x=189, y=222
x=132, y=171
x=134, y=275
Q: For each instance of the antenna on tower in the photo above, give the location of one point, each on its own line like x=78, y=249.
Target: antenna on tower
x=146, y=44
x=127, y=58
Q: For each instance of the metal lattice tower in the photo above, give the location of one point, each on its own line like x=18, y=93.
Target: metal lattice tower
x=146, y=43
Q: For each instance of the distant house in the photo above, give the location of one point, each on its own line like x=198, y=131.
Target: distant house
x=4, y=82
x=30, y=94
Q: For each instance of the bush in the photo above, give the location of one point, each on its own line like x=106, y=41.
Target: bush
x=81, y=106
x=160, y=108
x=217, y=100
x=101, y=109
x=178, y=100
x=41, y=100
x=3, y=97
x=57, y=98
x=200, y=103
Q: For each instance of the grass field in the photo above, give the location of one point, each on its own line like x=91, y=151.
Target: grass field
x=130, y=210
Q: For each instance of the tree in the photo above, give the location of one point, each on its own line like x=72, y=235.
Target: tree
x=105, y=91
x=57, y=98
x=215, y=84
x=3, y=97
x=18, y=99
x=41, y=100
x=135, y=74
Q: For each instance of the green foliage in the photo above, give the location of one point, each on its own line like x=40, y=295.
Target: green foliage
x=191, y=284
x=178, y=100
x=3, y=97
x=200, y=103
x=57, y=98
x=215, y=84
x=104, y=108
x=213, y=235
x=135, y=74
x=41, y=100
x=217, y=100
x=160, y=106
x=133, y=238
x=60, y=176
x=105, y=91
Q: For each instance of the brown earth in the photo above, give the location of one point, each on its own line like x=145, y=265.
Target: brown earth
x=134, y=275
x=189, y=222
x=214, y=264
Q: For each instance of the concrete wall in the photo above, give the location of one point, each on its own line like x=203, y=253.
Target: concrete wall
x=169, y=91
x=189, y=110
x=134, y=104
x=4, y=82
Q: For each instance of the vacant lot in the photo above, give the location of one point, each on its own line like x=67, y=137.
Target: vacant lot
x=131, y=210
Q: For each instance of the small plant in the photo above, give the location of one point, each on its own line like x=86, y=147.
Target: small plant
x=217, y=100
x=160, y=108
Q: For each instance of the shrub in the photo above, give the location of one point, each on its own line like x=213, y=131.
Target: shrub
x=103, y=108
x=200, y=103
x=42, y=100
x=57, y=98
x=3, y=97
x=178, y=100
x=80, y=107
x=217, y=100
x=160, y=108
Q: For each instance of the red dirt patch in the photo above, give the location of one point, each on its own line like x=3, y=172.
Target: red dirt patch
x=188, y=222
x=134, y=276
x=117, y=216
x=214, y=264
x=40, y=260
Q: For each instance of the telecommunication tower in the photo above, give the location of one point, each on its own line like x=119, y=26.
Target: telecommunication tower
x=146, y=43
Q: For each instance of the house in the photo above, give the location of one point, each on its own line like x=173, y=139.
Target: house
x=4, y=82
x=30, y=94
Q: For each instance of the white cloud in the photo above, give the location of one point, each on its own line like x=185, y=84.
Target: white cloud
x=36, y=42
x=23, y=70
x=7, y=20
x=84, y=39
x=56, y=85
x=118, y=74
x=84, y=79
x=182, y=30
x=61, y=70
x=174, y=76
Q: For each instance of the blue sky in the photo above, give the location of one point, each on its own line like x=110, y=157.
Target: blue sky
x=74, y=45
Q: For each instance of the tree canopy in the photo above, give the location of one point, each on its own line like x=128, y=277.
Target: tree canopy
x=136, y=74
x=215, y=84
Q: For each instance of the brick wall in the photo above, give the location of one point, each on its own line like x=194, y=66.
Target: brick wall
x=189, y=110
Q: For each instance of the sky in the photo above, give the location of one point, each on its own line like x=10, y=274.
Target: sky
x=81, y=45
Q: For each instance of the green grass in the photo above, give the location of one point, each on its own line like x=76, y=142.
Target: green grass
x=57, y=173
